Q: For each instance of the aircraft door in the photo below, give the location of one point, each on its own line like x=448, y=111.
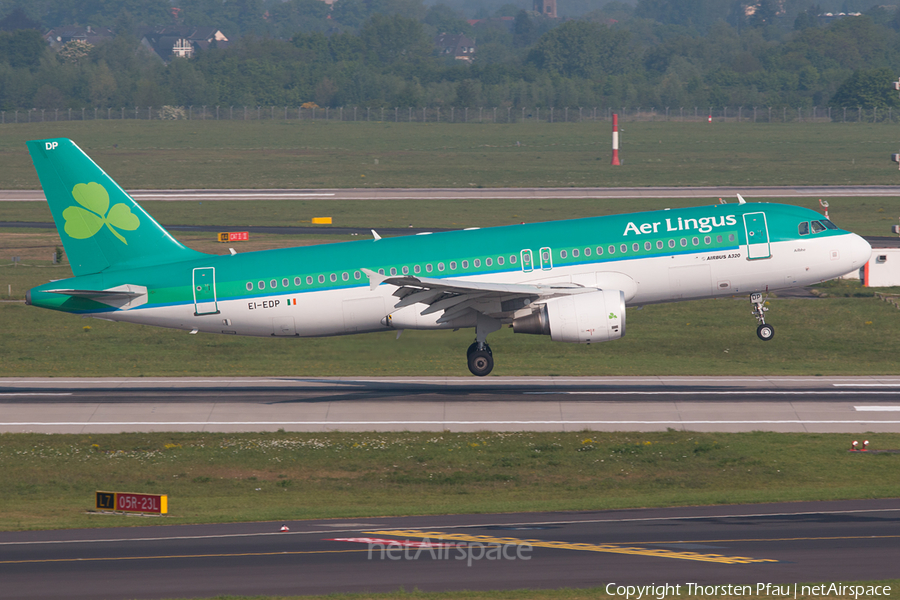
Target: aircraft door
x=205, y=291
x=757, y=233
x=546, y=259
x=527, y=261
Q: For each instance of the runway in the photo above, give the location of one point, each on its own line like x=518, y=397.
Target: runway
x=727, y=404
x=711, y=192
x=774, y=544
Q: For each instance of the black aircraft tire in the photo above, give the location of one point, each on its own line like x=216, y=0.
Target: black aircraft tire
x=765, y=332
x=481, y=363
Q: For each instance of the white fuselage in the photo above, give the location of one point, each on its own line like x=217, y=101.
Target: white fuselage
x=703, y=274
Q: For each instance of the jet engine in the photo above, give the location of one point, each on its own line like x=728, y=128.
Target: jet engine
x=581, y=318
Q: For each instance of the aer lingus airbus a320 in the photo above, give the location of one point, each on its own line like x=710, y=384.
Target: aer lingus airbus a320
x=570, y=280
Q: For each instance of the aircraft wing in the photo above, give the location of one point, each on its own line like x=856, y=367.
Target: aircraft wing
x=455, y=297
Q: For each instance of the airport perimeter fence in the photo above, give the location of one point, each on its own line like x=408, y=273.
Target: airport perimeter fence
x=502, y=114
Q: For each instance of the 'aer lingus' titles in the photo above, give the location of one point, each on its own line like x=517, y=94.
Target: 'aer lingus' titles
x=703, y=225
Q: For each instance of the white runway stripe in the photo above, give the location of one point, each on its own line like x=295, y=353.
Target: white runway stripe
x=866, y=384
x=626, y=422
x=877, y=408
x=36, y=394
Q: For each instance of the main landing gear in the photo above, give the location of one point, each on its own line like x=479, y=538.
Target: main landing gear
x=480, y=358
x=765, y=332
x=479, y=355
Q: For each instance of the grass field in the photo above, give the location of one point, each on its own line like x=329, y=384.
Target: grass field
x=49, y=481
x=279, y=154
x=840, y=334
x=865, y=216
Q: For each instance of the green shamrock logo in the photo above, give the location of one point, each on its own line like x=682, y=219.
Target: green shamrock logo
x=613, y=316
x=82, y=223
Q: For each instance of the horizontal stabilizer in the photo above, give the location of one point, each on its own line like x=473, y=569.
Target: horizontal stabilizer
x=122, y=296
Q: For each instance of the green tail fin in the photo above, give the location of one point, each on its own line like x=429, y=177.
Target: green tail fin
x=101, y=226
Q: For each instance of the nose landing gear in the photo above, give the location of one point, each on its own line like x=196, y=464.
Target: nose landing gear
x=765, y=332
x=479, y=355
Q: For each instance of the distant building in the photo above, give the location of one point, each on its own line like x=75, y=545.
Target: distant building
x=59, y=36
x=883, y=269
x=182, y=42
x=456, y=45
x=828, y=17
x=546, y=8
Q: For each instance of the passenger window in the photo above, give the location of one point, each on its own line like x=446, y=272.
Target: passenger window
x=696, y=241
x=683, y=242
x=587, y=252
x=309, y=280
x=659, y=245
x=671, y=243
x=417, y=269
x=612, y=249
x=707, y=240
x=635, y=246
x=730, y=237
x=563, y=254
x=405, y=270
x=817, y=227
x=599, y=251
x=488, y=262
x=452, y=265
x=345, y=277
x=297, y=281
x=648, y=246
x=393, y=270
x=273, y=284
x=465, y=264
x=719, y=239
x=477, y=262
x=321, y=279
x=381, y=271
x=500, y=260
x=512, y=259
x=440, y=266
x=429, y=268
x=356, y=275
x=624, y=247
x=333, y=277
x=285, y=282
x=575, y=253
x=249, y=286
x=261, y=285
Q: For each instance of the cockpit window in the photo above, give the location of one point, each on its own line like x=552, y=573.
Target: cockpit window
x=817, y=227
x=828, y=224
x=803, y=228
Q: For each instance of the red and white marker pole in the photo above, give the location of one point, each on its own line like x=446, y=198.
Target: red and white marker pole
x=615, y=156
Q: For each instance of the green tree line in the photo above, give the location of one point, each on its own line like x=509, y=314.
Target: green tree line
x=659, y=53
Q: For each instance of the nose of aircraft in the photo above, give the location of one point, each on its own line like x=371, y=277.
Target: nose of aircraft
x=859, y=251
